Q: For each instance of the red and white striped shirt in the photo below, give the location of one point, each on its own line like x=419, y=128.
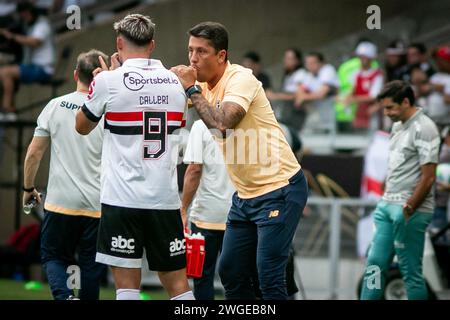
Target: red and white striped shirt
x=144, y=105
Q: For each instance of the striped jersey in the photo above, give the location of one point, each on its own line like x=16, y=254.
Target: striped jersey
x=144, y=105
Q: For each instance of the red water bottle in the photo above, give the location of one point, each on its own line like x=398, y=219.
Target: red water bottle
x=195, y=254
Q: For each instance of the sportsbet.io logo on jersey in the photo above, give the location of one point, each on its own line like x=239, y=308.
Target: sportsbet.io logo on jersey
x=135, y=81
x=177, y=247
x=122, y=245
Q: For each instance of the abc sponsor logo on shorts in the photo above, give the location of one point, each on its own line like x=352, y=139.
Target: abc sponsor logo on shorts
x=177, y=247
x=122, y=245
x=135, y=81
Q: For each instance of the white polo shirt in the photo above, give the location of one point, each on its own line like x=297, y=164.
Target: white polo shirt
x=212, y=200
x=44, y=55
x=144, y=105
x=74, y=175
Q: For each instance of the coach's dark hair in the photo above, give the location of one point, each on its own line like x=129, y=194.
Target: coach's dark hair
x=88, y=62
x=136, y=28
x=397, y=90
x=214, y=32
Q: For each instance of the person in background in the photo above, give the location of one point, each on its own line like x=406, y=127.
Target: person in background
x=252, y=60
x=41, y=53
x=405, y=210
x=72, y=205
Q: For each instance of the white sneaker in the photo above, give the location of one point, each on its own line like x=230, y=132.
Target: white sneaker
x=72, y=298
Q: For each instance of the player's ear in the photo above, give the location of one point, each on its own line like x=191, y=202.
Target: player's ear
x=152, y=46
x=75, y=75
x=119, y=43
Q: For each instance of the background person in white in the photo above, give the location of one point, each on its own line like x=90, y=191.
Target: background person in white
x=38, y=60
x=314, y=93
x=207, y=179
x=72, y=205
x=144, y=104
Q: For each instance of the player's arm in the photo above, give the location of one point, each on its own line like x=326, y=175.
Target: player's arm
x=85, y=121
x=192, y=178
x=223, y=118
x=33, y=158
x=423, y=187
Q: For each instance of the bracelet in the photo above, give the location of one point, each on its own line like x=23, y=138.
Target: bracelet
x=28, y=189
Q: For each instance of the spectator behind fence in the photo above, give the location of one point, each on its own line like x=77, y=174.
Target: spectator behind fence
x=442, y=195
x=10, y=51
x=345, y=113
x=420, y=83
x=39, y=57
x=367, y=84
x=417, y=56
x=283, y=102
x=436, y=91
x=314, y=93
x=252, y=60
x=396, y=64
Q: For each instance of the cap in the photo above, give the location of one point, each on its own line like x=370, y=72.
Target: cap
x=396, y=47
x=443, y=53
x=366, y=49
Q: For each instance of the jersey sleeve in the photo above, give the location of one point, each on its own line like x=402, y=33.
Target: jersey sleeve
x=427, y=144
x=242, y=89
x=194, y=148
x=94, y=106
x=43, y=122
x=41, y=31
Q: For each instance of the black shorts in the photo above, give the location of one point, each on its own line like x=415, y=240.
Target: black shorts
x=124, y=233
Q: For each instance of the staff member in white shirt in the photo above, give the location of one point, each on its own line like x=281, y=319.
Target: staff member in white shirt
x=207, y=179
x=72, y=205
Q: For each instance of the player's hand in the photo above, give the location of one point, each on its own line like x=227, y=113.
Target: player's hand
x=407, y=212
x=103, y=67
x=183, y=216
x=187, y=75
x=115, y=61
x=28, y=196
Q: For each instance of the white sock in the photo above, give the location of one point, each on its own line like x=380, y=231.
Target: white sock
x=188, y=295
x=127, y=294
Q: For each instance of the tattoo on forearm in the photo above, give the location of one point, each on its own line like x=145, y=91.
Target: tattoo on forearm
x=222, y=118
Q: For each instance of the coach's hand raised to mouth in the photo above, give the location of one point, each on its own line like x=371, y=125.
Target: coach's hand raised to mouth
x=187, y=75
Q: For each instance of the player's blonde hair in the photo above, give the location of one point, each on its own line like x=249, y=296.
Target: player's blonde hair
x=136, y=28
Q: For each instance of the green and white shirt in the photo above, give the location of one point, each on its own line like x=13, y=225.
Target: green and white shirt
x=413, y=144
